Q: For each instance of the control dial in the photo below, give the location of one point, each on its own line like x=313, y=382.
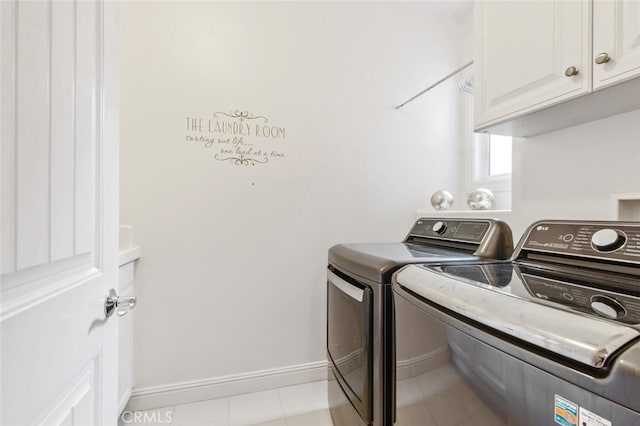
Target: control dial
x=607, y=307
x=439, y=227
x=606, y=240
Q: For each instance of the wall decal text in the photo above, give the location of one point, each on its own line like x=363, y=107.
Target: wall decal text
x=238, y=137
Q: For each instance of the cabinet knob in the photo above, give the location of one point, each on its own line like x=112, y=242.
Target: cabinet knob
x=602, y=58
x=571, y=71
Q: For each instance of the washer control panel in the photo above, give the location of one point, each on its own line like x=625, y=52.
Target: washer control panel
x=469, y=231
x=600, y=240
x=606, y=304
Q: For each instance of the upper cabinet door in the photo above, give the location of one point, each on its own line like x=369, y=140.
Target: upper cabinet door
x=524, y=54
x=616, y=41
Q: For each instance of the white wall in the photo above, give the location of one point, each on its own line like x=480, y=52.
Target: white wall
x=232, y=274
x=576, y=173
x=573, y=173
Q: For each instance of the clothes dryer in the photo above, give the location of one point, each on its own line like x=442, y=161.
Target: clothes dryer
x=360, y=326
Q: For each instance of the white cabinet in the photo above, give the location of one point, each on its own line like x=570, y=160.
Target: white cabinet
x=125, y=336
x=128, y=256
x=535, y=67
x=616, y=36
x=522, y=50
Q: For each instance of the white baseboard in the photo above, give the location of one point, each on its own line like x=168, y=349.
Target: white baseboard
x=219, y=387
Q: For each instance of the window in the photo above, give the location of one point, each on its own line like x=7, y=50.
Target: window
x=499, y=155
x=488, y=157
x=492, y=161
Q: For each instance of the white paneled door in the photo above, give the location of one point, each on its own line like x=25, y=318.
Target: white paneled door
x=59, y=212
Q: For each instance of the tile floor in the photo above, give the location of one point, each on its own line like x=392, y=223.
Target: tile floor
x=301, y=405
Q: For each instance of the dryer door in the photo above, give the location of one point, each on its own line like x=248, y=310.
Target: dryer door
x=350, y=340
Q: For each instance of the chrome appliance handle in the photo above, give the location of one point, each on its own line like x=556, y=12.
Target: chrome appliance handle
x=583, y=339
x=348, y=289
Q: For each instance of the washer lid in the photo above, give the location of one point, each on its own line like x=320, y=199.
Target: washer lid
x=377, y=262
x=586, y=340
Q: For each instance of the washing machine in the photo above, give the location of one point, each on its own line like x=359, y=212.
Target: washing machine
x=551, y=338
x=360, y=320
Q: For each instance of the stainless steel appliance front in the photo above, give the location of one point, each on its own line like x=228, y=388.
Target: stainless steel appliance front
x=552, y=338
x=350, y=340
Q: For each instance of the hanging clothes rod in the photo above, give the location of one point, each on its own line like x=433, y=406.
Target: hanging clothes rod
x=434, y=85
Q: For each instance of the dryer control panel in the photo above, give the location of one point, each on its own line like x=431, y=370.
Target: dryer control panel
x=472, y=231
x=486, y=238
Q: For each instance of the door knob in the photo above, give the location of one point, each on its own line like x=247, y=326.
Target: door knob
x=122, y=303
x=571, y=71
x=602, y=58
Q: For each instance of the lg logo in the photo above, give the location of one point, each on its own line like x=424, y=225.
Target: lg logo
x=542, y=228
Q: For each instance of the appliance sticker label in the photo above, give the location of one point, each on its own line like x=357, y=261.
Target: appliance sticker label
x=566, y=412
x=587, y=418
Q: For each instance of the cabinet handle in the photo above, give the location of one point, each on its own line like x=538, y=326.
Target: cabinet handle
x=602, y=58
x=571, y=71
